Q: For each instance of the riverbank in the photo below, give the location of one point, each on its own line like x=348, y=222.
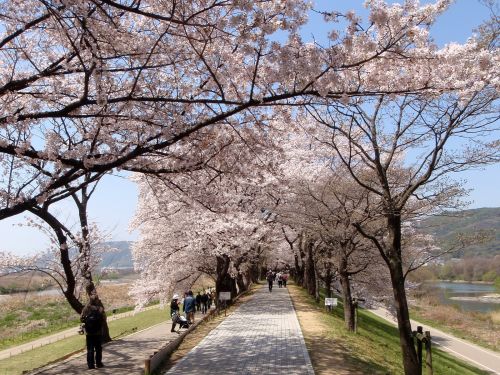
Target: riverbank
x=477, y=327
x=474, y=297
x=463, y=281
x=487, y=298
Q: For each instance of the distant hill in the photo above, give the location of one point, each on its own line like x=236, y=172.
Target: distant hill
x=445, y=229
x=122, y=258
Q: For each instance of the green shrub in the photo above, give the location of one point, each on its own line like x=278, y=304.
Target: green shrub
x=497, y=283
x=489, y=276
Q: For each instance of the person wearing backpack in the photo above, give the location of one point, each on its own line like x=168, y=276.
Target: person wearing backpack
x=189, y=306
x=270, y=279
x=93, y=318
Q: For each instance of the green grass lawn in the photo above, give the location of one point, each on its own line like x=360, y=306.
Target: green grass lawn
x=34, y=321
x=43, y=319
x=376, y=347
x=49, y=353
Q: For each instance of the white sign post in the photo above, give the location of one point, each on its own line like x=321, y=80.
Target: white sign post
x=225, y=296
x=330, y=303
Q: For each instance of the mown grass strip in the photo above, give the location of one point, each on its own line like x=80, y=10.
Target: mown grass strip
x=374, y=350
x=52, y=352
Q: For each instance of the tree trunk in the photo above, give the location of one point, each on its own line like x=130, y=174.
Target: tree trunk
x=234, y=288
x=69, y=293
x=299, y=272
x=328, y=281
x=85, y=251
x=317, y=285
x=345, y=283
x=242, y=284
x=410, y=361
x=254, y=273
x=224, y=281
x=69, y=276
x=347, y=297
x=310, y=273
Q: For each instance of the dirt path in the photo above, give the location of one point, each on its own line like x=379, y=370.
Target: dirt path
x=328, y=356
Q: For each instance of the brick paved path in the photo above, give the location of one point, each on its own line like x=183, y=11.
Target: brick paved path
x=262, y=336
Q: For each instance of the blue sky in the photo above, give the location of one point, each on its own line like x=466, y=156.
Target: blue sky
x=115, y=199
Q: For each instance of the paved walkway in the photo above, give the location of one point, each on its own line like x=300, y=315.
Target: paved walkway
x=123, y=356
x=7, y=353
x=262, y=336
x=483, y=358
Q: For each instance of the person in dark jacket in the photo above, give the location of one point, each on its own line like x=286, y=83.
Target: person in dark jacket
x=270, y=279
x=174, y=311
x=198, y=302
x=204, y=302
x=210, y=299
x=93, y=317
x=189, y=306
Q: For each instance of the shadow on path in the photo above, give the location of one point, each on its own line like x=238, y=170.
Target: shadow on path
x=262, y=336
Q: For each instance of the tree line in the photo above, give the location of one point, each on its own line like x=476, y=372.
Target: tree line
x=248, y=152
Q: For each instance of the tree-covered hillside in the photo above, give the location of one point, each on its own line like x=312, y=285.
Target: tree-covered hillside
x=446, y=228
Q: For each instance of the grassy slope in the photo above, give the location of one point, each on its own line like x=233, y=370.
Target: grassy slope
x=479, y=329
x=56, y=315
x=49, y=353
x=375, y=349
x=52, y=317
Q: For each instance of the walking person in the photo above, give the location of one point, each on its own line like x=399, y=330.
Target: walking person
x=270, y=279
x=189, y=306
x=204, y=302
x=198, y=302
x=285, y=279
x=280, y=279
x=93, y=318
x=210, y=297
x=174, y=311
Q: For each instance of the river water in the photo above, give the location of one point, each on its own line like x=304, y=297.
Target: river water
x=56, y=291
x=467, y=296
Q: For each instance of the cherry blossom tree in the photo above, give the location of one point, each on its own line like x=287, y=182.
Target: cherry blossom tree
x=94, y=85
x=337, y=208
x=73, y=254
x=410, y=144
x=181, y=239
x=320, y=207
x=208, y=220
x=489, y=31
